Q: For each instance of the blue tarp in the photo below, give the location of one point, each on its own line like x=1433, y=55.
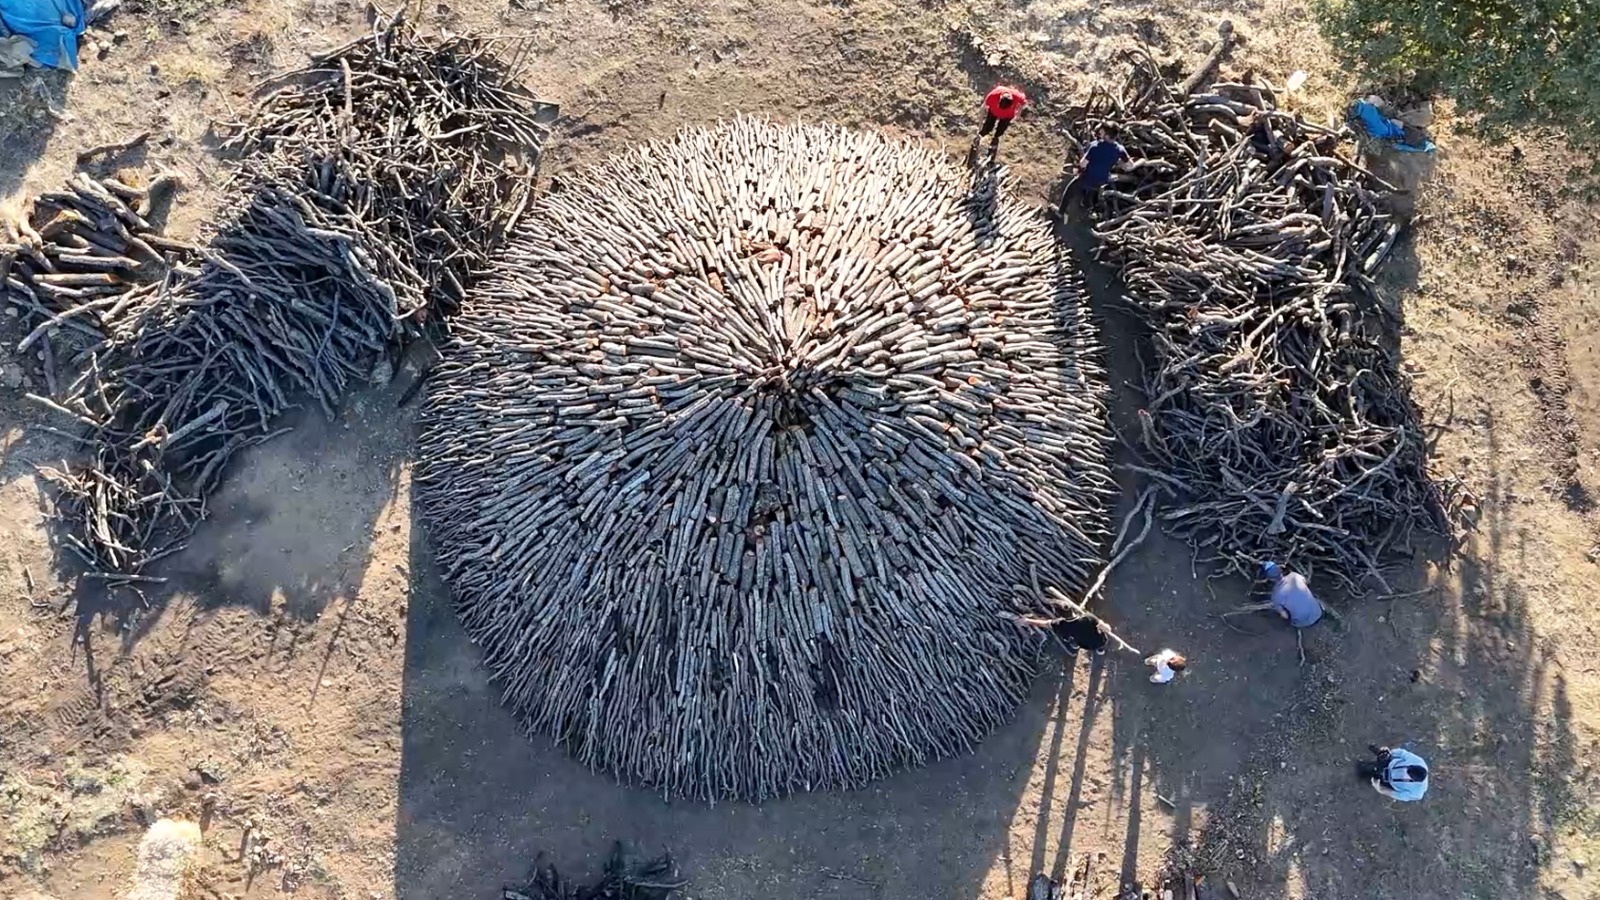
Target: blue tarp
x=1375, y=123
x=52, y=25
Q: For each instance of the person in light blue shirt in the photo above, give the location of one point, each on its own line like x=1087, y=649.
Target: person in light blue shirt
x=1292, y=597
x=1396, y=773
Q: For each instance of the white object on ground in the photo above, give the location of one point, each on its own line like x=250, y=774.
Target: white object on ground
x=1297, y=79
x=168, y=861
x=1164, y=673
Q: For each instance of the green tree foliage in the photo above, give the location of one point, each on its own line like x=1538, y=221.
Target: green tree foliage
x=1535, y=62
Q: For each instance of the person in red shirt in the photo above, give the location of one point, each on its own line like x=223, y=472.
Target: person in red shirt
x=1001, y=105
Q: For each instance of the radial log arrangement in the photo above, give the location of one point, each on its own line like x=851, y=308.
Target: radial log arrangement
x=742, y=457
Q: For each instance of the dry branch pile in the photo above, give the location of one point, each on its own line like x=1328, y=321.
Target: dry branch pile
x=741, y=456
x=1277, y=406
x=84, y=255
x=369, y=194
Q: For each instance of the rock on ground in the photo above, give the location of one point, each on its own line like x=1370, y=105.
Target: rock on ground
x=167, y=862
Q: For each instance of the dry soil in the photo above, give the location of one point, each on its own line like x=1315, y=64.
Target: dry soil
x=305, y=693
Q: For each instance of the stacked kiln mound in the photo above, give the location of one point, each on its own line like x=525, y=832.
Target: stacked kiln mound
x=744, y=454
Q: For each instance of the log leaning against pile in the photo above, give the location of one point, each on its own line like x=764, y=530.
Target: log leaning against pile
x=1276, y=406
x=370, y=192
x=741, y=457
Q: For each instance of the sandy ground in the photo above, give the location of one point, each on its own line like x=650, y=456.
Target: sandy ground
x=305, y=692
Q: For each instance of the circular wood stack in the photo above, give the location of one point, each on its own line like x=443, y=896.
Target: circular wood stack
x=743, y=454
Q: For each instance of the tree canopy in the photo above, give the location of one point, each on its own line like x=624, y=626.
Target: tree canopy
x=1534, y=62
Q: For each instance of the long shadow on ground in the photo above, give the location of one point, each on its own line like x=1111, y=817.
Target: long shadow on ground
x=1251, y=756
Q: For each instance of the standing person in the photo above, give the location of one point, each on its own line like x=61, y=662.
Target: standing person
x=1395, y=773
x=1001, y=105
x=1292, y=597
x=1094, y=166
x=1167, y=664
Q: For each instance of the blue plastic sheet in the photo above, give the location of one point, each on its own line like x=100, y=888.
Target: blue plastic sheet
x=46, y=23
x=1375, y=123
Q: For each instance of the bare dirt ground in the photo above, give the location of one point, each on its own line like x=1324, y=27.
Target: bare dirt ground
x=305, y=693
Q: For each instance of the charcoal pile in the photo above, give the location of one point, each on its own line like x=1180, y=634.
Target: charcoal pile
x=741, y=458
x=1277, y=407
x=623, y=879
x=370, y=192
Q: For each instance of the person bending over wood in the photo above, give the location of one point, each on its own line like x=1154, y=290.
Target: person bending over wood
x=1292, y=597
x=1095, y=167
x=1079, y=633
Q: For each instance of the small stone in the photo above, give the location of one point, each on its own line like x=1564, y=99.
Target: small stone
x=11, y=375
x=119, y=36
x=382, y=373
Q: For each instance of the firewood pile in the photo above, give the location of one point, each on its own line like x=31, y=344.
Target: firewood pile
x=1277, y=406
x=370, y=191
x=743, y=459
x=624, y=878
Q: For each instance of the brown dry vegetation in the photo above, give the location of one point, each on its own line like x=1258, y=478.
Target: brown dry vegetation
x=307, y=695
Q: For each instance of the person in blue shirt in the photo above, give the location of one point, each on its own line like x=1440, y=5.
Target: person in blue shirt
x=1292, y=597
x=1095, y=166
x=1396, y=773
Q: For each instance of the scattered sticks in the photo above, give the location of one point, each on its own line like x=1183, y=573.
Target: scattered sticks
x=735, y=460
x=623, y=879
x=1277, y=407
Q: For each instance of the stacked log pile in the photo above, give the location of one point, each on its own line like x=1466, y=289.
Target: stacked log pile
x=1277, y=406
x=369, y=193
x=742, y=459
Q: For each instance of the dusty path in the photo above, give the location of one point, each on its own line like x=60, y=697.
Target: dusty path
x=306, y=691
